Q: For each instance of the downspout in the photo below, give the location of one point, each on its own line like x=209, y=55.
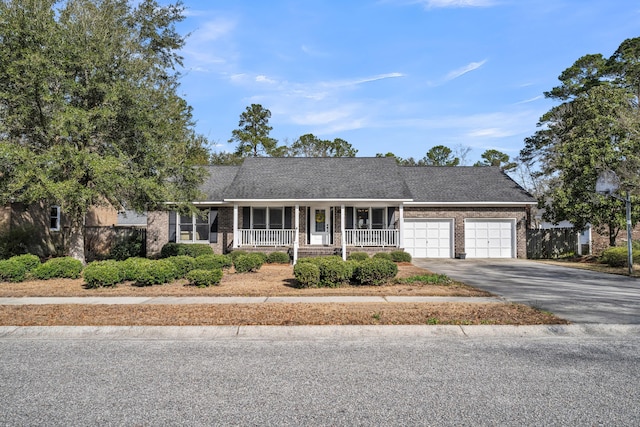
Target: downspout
x=296, y=238
x=235, y=226
x=343, y=237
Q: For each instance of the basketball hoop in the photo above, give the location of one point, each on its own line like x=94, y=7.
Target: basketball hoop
x=607, y=183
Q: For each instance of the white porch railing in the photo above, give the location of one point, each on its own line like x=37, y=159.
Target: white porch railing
x=267, y=237
x=390, y=237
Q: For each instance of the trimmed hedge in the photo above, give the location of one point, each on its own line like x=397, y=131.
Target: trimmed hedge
x=617, y=256
x=130, y=266
x=193, y=250
x=278, y=258
x=375, y=271
x=235, y=254
x=210, y=262
x=307, y=274
x=382, y=255
x=12, y=270
x=358, y=256
x=28, y=260
x=103, y=273
x=248, y=263
x=64, y=267
x=334, y=272
x=183, y=264
x=400, y=256
x=155, y=272
x=204, y=278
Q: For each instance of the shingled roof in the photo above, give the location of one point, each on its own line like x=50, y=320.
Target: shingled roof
x=309, y=178
x=463, y=184
x=359, y=178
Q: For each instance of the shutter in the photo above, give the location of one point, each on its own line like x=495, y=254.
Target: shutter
x=288, y=218
x=308, y=226
x=246, y=217
x=348, y=218
x=213, y=226
x=172, y=226
x=331, y=226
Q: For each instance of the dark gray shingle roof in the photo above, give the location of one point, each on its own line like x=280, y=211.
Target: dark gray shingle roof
x=217, y=182
x=318, y=178
x=304, y=178
x=462, y=184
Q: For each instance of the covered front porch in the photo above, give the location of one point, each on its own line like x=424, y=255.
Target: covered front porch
x=342, y=227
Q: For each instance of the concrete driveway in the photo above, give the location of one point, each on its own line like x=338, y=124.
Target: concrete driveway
x=579, y=296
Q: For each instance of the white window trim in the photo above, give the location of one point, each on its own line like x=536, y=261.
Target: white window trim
x=57, y=217
x=268, y=217
x=385, y=221
x=179, y=224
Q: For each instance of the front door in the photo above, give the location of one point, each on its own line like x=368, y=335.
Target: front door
x=320, y=226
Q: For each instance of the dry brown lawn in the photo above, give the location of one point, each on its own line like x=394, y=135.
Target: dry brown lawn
x=271, y=280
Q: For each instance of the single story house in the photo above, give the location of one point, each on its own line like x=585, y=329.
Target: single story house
x=340, y=205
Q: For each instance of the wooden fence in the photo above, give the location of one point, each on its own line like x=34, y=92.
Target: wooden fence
x=552, y=243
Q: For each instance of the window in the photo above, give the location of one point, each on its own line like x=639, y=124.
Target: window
x=365, y=218
x=54, y=218
x=194, y=228
x=271, y=218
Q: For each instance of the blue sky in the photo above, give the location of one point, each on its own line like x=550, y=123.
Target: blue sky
x=391, y=75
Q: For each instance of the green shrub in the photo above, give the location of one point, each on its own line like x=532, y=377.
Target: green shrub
x=278, y=258
x=209, y=262
x=375, y=271
x=130, y=266
x=334, y=271
x=171, y=249
x=235, y=254
x=130, y=246
x=248, y=263
x=204, y=278
x=103, y=273
x=382, y=255
x=155, y=272
x=183, y=264
x=400, y=256
x=358, y=256
x=426, y=279
x=617, y=256
x=63, y=267
x=29, y=261
x=193, y=250
x=12, y=270
x=307, y=274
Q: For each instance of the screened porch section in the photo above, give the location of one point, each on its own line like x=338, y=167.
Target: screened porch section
x=276, y=226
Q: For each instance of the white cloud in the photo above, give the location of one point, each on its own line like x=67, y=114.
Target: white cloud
x=491, y=133
x=464, y=70
x=526, y=101
x=264, y=79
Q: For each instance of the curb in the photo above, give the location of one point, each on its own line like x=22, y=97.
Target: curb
x=314, y=332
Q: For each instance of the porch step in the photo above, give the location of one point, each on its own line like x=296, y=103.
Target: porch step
x=314, y=251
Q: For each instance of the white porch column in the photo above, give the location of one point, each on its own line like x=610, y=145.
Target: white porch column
x=235, y=226
x=343, y=237
x=401, y=227
x=296, y=237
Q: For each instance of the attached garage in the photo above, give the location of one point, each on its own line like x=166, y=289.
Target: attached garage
x=490, y=238
x=428, y=238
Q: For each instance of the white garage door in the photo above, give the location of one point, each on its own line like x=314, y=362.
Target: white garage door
x=428, y=238
x=489, y=238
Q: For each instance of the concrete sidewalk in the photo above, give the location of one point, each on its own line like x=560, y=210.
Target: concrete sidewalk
x=315, y=332
x=241, y=300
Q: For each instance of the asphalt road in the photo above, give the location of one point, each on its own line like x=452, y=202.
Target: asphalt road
x=384, y=380
x=580, y=296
